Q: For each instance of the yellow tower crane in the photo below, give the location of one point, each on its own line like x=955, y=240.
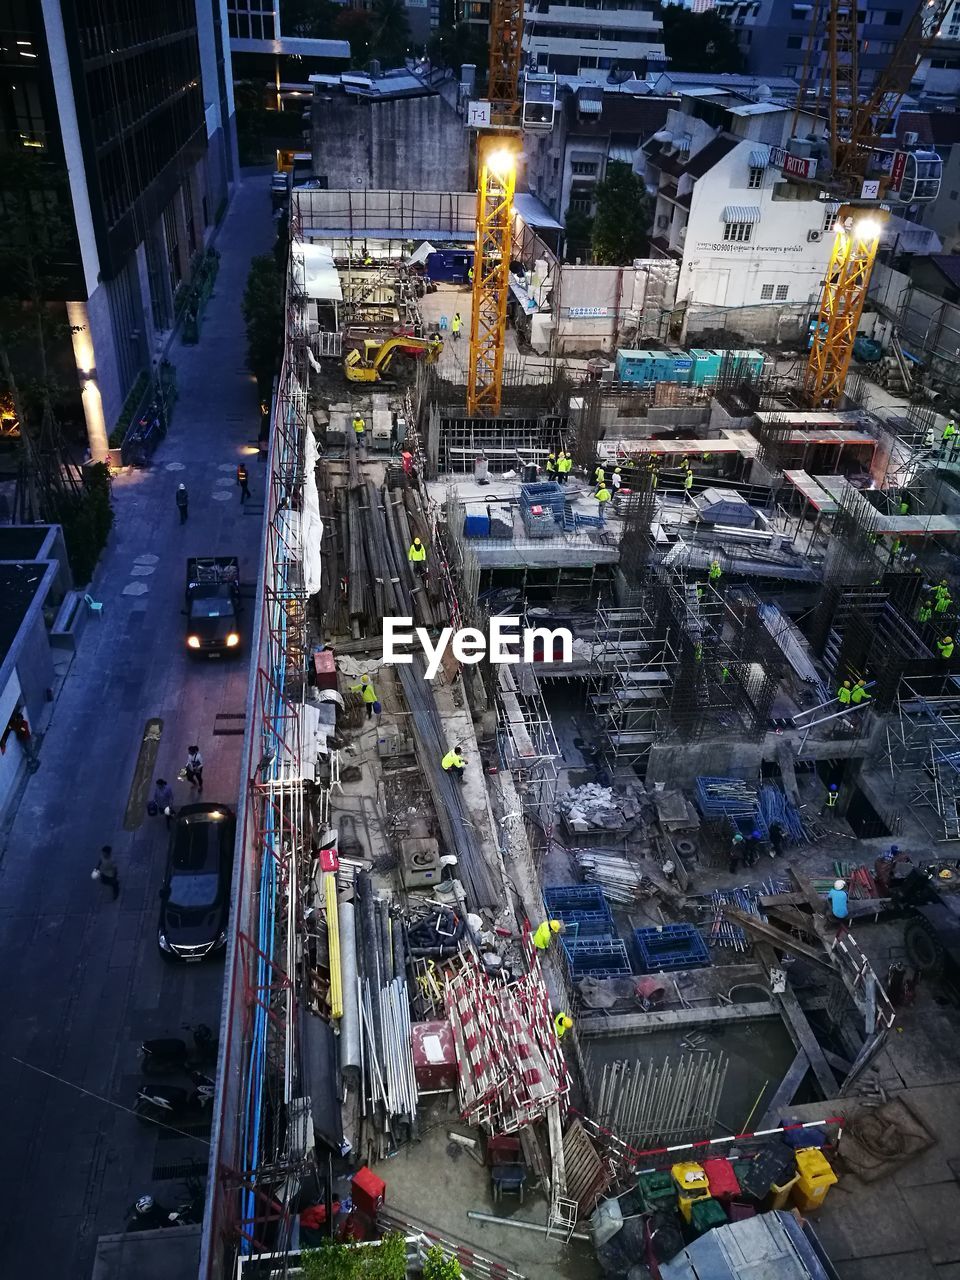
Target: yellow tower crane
x=497, y=151
x=857, y=169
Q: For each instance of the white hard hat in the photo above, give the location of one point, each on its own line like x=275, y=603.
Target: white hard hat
x=839, y=884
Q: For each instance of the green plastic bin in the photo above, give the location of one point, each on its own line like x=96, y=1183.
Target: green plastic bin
x=706, y=1214
x=658, y=1191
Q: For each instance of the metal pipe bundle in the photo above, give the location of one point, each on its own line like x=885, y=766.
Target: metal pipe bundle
x=333, y=944
x=350, y=1058
x=644, y=1103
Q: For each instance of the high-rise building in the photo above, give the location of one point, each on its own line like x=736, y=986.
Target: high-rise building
x=593, y=39
x=128, y=108
x=778, y=37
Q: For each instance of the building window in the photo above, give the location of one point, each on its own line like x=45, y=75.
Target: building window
x=794, y=42
x=766, y=292
x=738, y=231
x=580, y=205
x=782, y=291
x=893, y=18
x=584, y=168
x=800, y=12
x=755, y=178
x=830, y=220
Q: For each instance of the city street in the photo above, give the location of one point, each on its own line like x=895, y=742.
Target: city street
x=82, y=979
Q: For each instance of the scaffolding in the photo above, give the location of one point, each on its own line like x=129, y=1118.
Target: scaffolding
x=922, y=750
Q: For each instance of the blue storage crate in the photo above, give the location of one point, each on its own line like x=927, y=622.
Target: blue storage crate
x=574, y=897
x=675, y=946
x=596, y=958
x=586, y=924
x=476, y=525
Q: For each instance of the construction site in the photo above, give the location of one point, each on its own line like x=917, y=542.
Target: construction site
x=635, y=953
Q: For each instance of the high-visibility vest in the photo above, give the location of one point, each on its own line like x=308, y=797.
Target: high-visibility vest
x=560, y=1025
x=943, y=604
x=924, y=613
x=844, y=695
x=946, y=650
x=455, y=324
x=366, y=691
x=542, y=935
x=564, y=464
x=451, y=761
x=859, y=694
x=551, y=464
x=359, y=425
x=832, y=798
x=715, y=570
x=688, y=482
x=602, y=495
x=416, y=553
x=904, y=508
x=949, y=431
x=598, y=475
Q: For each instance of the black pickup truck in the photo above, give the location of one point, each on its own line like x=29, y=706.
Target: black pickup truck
x=213, y=605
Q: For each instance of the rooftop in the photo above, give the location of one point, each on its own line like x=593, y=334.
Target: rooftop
x=19, y=586
x=294, y=46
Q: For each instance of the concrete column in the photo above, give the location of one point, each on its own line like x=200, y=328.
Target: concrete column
x=83, y=353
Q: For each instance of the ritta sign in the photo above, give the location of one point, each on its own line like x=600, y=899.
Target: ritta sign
x=792, y=166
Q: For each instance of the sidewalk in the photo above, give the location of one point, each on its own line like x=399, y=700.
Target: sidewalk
x=83, y=980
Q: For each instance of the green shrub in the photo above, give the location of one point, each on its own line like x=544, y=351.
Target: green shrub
x=87, y=520
x=438, y=1266
x=343, y=1262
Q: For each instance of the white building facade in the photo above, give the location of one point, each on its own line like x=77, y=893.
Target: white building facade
x=746, y=239
x=592, y=40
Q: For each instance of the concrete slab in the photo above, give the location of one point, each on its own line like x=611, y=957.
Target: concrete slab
x=936, y=1211
x=862, y=1222
x=916, y=1266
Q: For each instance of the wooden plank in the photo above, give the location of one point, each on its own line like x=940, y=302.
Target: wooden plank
x=796, y=899
x=778, y=938
x=800, y=1028
x=786, y=1091
x=637, y=1023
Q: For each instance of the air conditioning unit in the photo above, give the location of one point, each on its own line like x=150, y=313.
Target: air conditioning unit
x=911, y=139
x=814, y=236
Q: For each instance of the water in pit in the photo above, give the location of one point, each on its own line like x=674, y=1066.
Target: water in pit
x=759, y=1054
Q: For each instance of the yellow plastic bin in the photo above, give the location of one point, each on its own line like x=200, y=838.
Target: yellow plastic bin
x=780, y=1194
x=814, y=1179
x=692, y=1185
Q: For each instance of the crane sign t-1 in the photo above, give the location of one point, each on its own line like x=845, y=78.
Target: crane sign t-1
x=499, y=120
x=839, y=146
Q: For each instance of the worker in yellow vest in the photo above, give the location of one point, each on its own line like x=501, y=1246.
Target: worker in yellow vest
x=543, y=934
x=455, y=324
x=603, y=496
x=417, y=555
x=844, y=694
x=860, y=693
x=946, y=440
x=551, y=466
x=564, y=466
x=945, y=647
x=716, y=573
x=598, y=476
x=454, y=763
x=688, y=480
x=562, y=1024
x=925, y=612
x=359, y=426
x=367, y=692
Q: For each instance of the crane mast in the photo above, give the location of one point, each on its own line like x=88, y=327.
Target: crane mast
x=497, y=151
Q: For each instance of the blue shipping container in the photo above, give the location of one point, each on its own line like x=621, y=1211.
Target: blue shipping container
x=450, y=265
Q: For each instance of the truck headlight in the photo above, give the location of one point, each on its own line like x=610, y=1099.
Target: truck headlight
x=193, y=642
x=232, y=640
x=163, y=943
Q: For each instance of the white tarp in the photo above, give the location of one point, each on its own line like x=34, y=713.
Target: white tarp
x=314, y=270
x=311, y=528
x=421, y=254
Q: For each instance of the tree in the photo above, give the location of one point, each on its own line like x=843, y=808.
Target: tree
x=437, y=1265
x=700, y=41
x=622, y=223
x=309, y=19
x=458, y=45
x=578, y=233
x=263, y=316
x=391, y=32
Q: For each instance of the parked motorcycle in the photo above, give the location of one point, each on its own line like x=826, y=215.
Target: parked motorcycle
x=169, y=1104
x=166, y=1057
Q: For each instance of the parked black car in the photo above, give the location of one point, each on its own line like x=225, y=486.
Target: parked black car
x=195, y=898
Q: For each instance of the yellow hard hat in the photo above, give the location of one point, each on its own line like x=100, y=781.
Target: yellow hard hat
x=556, y=926
x=948, y=639
x=565, y=1020
x=846, y=684
x=945, y=874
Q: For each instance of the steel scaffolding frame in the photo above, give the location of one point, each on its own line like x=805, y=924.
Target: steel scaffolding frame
x=922, y=749
x=259, y=1070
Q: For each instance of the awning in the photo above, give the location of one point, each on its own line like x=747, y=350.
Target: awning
x=314, y=270
x=759, y=159
x=621, y=151
x=590, y=101
x=741, y=213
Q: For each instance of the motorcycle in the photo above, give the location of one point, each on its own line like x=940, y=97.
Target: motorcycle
x=167, y=1057
x=148, y=1215
x=170, y=1104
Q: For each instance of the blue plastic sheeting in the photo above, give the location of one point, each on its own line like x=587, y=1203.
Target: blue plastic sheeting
x=772, y=1246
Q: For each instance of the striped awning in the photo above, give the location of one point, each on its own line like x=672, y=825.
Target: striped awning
x=621, y=151
x=759, y=159
x=741, y=213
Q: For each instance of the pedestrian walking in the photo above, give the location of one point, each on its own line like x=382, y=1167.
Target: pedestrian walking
x=194, y=768
x=454, y=763
x=182, y=502
x=242, y=481
x=455, y=327
x=417, y=556
x=106, y=871
x=162, y=801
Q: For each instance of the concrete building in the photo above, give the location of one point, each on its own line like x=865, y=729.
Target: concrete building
x=148, y=157
x=943, y=214
x=593, y=40
x=394, y=131
x=592, y=127
x=775, y=35
x=745, y=238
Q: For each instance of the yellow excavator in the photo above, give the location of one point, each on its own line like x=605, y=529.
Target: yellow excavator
x=372, y=363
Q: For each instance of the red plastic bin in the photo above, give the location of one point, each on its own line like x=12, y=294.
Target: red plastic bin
x=721, y=1179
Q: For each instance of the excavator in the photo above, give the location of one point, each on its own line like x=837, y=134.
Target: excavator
x=372, y=363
